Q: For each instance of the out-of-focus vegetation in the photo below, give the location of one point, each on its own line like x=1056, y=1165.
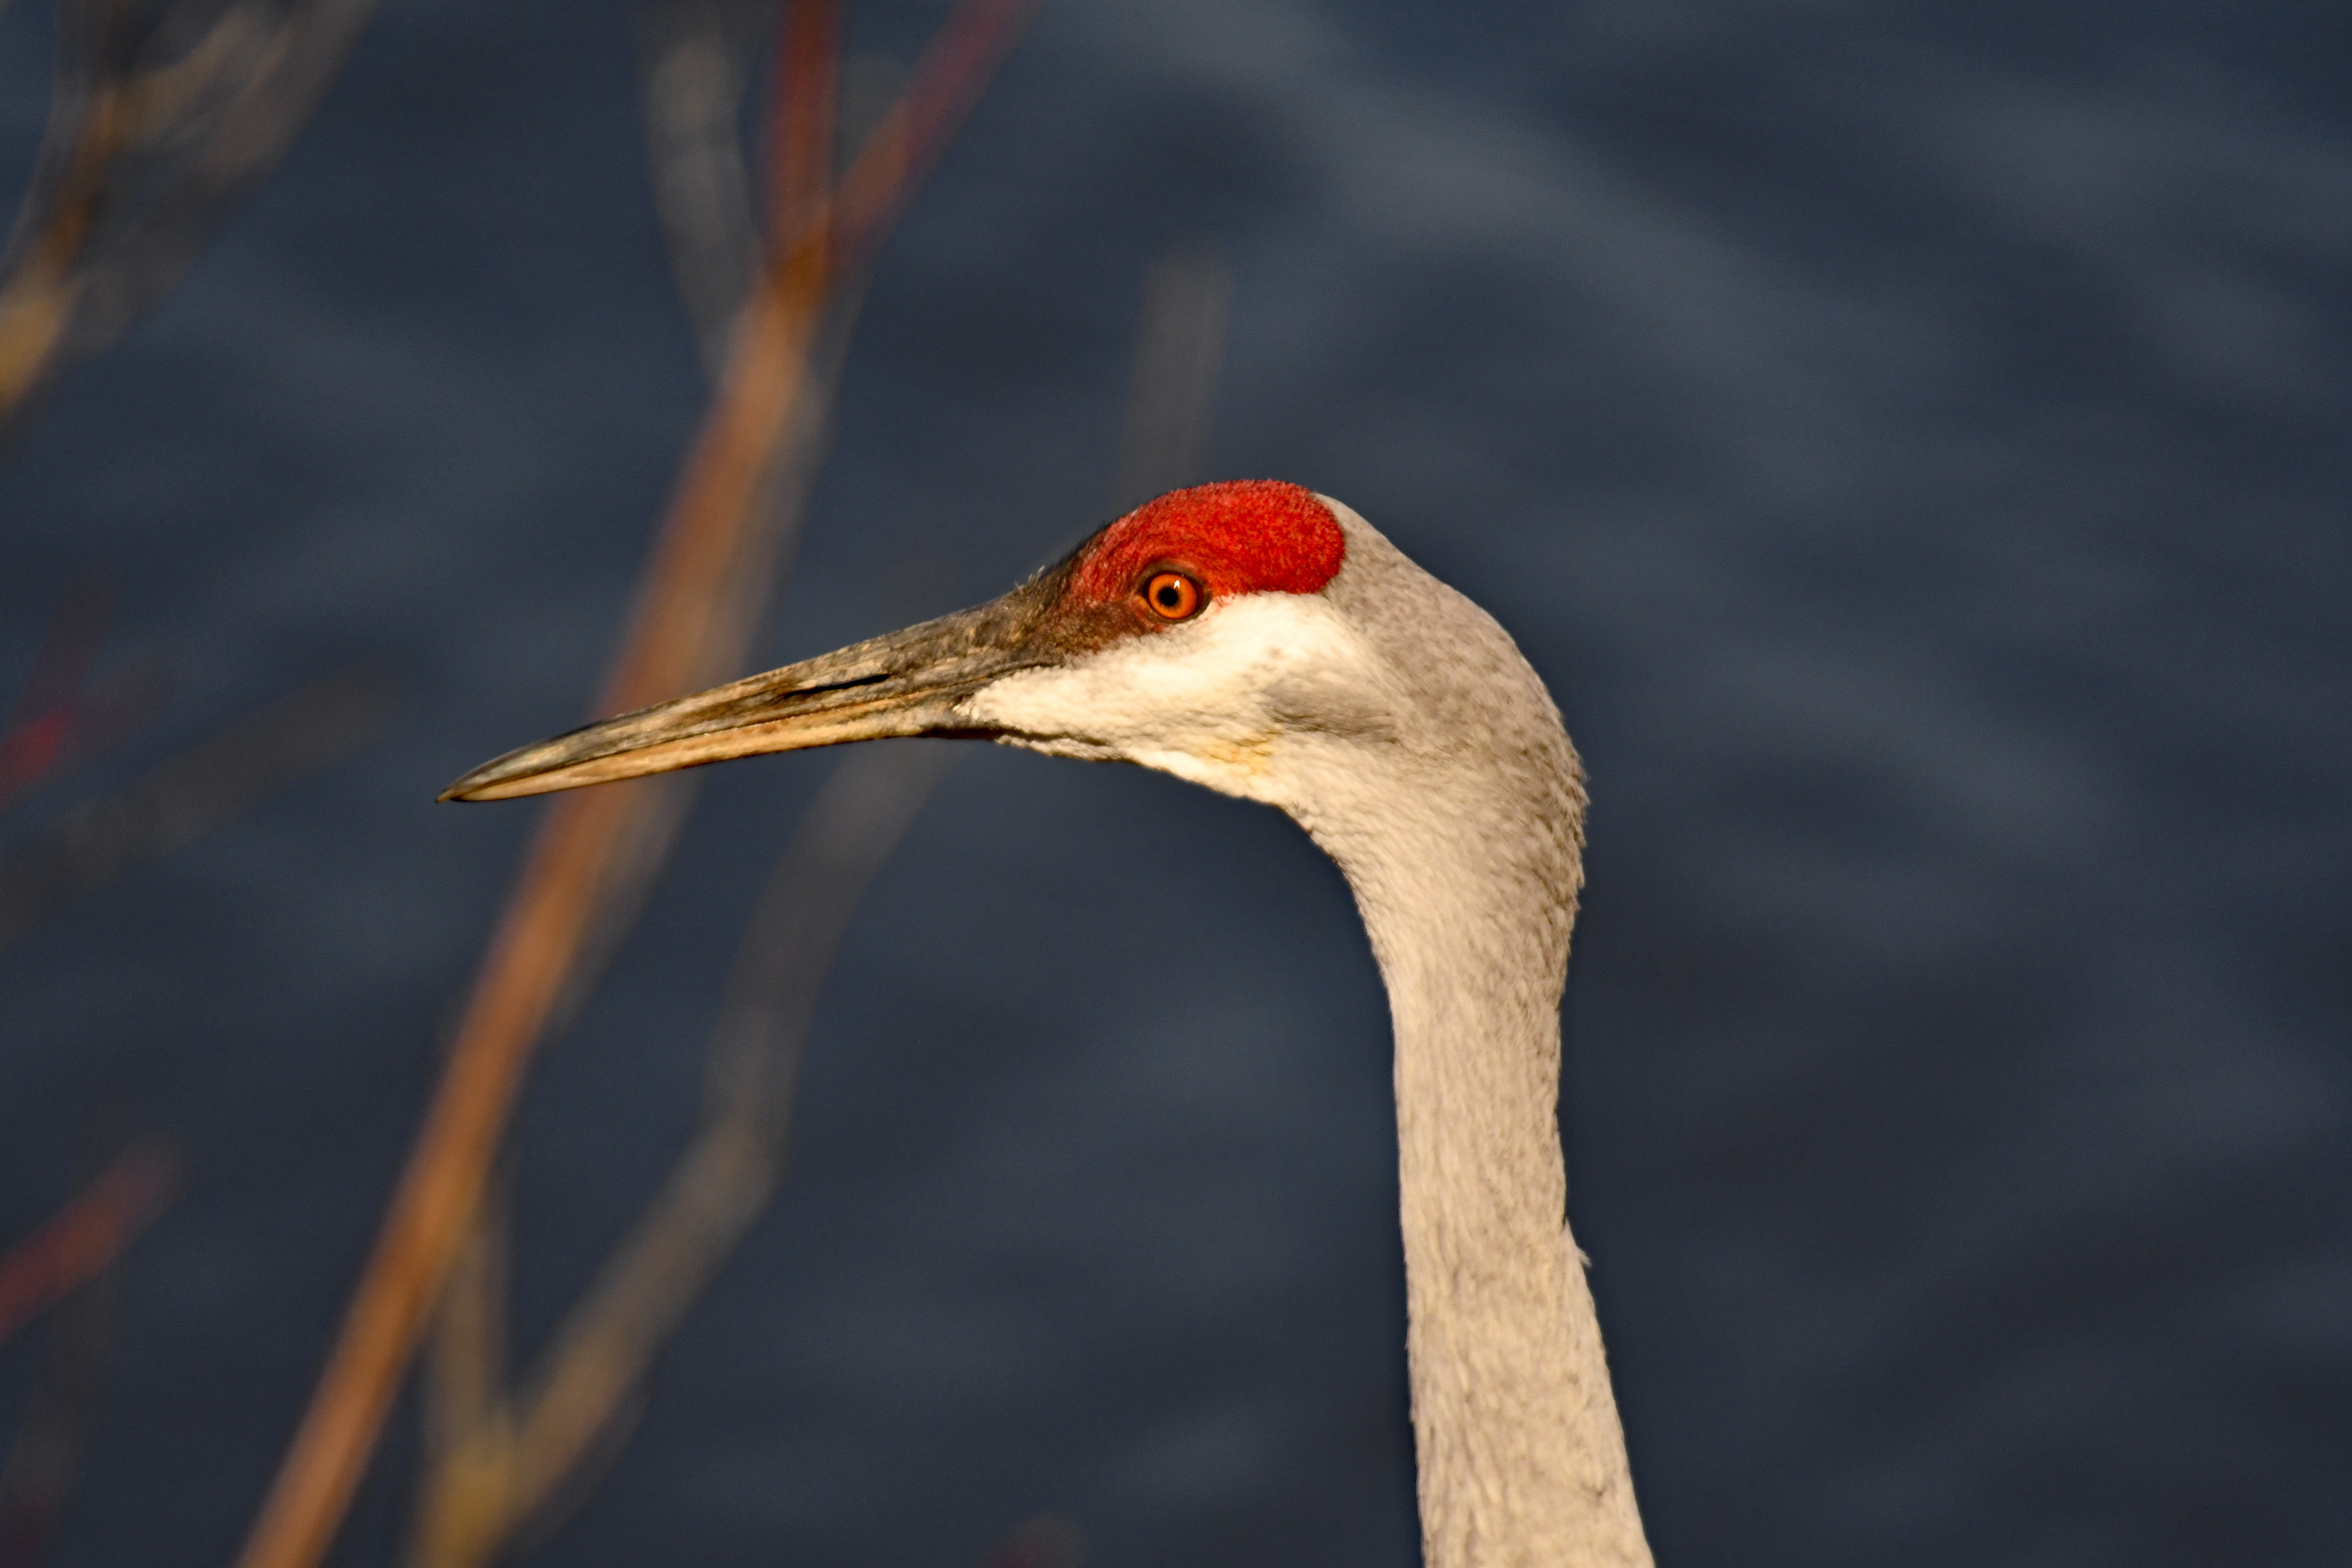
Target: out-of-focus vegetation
x=71, y=1268
x=162, y=115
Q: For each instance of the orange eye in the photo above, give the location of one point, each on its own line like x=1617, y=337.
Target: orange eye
x=1172, y=595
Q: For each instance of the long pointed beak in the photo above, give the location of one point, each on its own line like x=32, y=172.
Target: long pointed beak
x=905, y=683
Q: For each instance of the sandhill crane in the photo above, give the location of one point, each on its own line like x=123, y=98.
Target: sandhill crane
x=1265, y=641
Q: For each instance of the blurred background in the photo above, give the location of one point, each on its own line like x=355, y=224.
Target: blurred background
x=1912, y=442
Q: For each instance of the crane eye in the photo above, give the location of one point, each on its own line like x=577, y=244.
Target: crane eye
x=1172, y=595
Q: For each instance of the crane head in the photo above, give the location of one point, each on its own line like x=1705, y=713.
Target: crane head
x=1192, y=636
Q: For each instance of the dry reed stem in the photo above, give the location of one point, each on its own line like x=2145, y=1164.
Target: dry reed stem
x=87, y=1235
x=466, y=1371
x=464, y=1499
x=693, y=614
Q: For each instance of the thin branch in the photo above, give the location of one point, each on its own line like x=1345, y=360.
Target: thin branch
x=57, y=721
x=801, y=132
x=189, y=795
x=43, y=1461
x=693, y=67
x=49, y=744
x=87, y=1235
x=962, y=59
x=462, y=1500
x=465, y=1371
x=40, y=731
x=147, y=145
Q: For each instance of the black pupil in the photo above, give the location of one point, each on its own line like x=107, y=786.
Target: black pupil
x=1170, y=594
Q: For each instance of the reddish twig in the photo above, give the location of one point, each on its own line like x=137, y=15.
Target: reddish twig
x=43, y=726
x=919, y=127
x=56, y=741
x=38, y=1475
x=85, y=1236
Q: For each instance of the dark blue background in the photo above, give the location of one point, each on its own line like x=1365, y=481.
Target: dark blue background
x=1914, y=443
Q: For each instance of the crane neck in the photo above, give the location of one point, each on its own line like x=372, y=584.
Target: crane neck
x=1521, y=1455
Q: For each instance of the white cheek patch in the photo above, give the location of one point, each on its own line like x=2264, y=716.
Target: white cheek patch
x=1204, y=701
